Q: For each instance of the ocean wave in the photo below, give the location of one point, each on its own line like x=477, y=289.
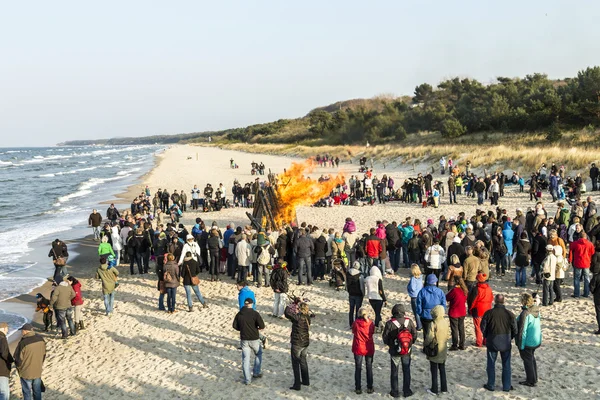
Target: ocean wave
x=74, y=171
x=14, y=321
x=10, y=268
x=128, y=172
x=47, y=175
x=85, y=188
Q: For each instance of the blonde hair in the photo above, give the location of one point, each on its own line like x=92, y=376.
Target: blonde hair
x=527, y=300
x=104, y=239
x=363, y=312
x=415, y=270
x=170, y=257
x=454, y=259
x=303, y=308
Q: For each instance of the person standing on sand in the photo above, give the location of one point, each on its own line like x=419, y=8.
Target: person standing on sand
x=60, y=256
x=279, y=284
x=400, y=353
x=300, y=318
x=457, y=311
x=529, y=338
x=363, y=346
x=437, y=335
x=61, y=303
x=580, y=255
x=355, y=285
x=109, y=284
x=29, y=360
x=214, y=245
x=190, y=270
x=112, y=214
x=171, y=278
x=429, y=297
x=95, y=220
x=77, y=303
x=479, y=302
x=249, y=322
x=6, y=360
x=499, y=327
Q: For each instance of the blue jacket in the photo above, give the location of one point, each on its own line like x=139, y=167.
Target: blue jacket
x=244, y=294
x=429, y=297
x=196, y=230
x=406, y=232
x=415, y=285
x=529, y=328
x=553, y=182
x=227, y=235
x=508, y=235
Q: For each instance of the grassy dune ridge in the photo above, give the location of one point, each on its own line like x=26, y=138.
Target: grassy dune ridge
x=520, y=152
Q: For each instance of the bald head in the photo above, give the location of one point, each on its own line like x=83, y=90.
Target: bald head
x=499, y=299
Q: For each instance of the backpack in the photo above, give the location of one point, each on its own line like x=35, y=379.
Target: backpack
x=404, y=339
x=168, y=278
x=264, y=257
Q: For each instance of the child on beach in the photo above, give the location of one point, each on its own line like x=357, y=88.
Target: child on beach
x=43, y=304
x=414, y=287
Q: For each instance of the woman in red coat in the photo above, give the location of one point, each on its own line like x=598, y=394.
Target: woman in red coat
x=77, y=302
x=363, y=347
x=480, y=300
x=457, y=310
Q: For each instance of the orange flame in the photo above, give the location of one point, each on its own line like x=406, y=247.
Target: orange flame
x=295, y=189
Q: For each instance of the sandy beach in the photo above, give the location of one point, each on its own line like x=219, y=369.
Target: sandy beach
x=142, y=353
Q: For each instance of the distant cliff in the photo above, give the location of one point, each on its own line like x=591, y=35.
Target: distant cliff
x=160, y=139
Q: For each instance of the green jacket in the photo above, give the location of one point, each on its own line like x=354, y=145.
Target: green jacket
x=105, y=248
x=62, y=296
x=29, y=356
x=108, y=277
x=439, y=330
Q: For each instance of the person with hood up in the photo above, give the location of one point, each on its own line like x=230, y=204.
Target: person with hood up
x=415, y=284
x=399, y=354
x=499, y=327
x=508, y=236
x=43, y=305
x=435, y=256
x=457, y=310
x=522, y=260
x=279, y=284
x=300, y=339
x=60, y=301
x=109, y=284
x=529, y=338
x=117, y=243
x=363, y=346
x=429, y=297
x=479, y=302
x=437, y=335
x=351, y=237
x=77, y=303
x=189, y=272
x=191, y=247
x=375, y=293
x=549, y=274
x=355, y=285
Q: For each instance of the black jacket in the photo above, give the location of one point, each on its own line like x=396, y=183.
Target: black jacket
x=320, y=247
x=304, y=246
x=248, y=322
x=278, y=280
x=393, y=237
x=59, y=249
x=458, y=249
x=355, y=283
x=6, y=358
x=281, y=246
x=213, y=244
x=499, y=327
x=300, y=327
x=390, y=331
x=523, y=253
x=538, y=249
x=188, y=269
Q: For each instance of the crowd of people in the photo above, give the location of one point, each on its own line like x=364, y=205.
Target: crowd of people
x=464, y=251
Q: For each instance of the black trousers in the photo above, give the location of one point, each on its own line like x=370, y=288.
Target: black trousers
x=557, y=289
x=457, y=327
x=300, y=366
x=358, y=369
x=597, y=306
x=214, y=264
x=434, y=368
x=528, y=357
x=425, y=323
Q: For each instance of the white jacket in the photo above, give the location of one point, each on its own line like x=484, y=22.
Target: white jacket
x=116, y=239
x=243, y=251
x=435, y=256
x=562, y=263
x=372, y=284
x=549, y=267
x=192, y=248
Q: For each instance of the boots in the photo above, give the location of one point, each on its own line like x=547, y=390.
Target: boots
x=81, y=326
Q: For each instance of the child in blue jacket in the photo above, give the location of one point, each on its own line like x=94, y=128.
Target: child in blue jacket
x=414, y=287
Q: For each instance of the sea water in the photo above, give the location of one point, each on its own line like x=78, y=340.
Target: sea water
x=49, y=193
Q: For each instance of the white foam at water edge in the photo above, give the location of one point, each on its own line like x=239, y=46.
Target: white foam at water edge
x=84, y=188
x=11, y=287
x=128, y=172
x=6, y=162
x=15, y=321
x=73, y=171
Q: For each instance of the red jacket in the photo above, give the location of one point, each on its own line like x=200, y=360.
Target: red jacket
x=363, y=344
x=78, y=299
x=458, y=303
x=580, y=253
x=480, y=299
x=373, y=246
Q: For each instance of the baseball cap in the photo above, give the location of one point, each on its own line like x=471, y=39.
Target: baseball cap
x=26, y=327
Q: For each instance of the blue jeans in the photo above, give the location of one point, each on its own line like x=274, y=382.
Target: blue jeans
x=161, y=301
x=480, y=198
x=355, y=305
x=577, y=273
x=413, y=305
x=521, y=276
x=393, y=260
x=405, y=259
x=304, y=265
x=358, y=369
x=109, y=302
x=32, y=389
x=188, y=294
x=249, y=347
x=4, y=388
x=396, y=360
x=491, y=369
x=171, y=292
x=62, y=317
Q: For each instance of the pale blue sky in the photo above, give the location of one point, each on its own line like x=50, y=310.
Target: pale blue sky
x=84, y=70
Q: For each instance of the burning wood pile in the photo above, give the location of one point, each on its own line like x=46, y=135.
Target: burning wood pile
x=275, y=204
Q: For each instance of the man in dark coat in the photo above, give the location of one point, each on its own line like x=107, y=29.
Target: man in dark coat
x=499, y=327
x=393, y=244
x=249, y=322
x=399, y=321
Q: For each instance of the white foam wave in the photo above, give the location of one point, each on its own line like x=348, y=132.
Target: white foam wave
x=85, y=188
x=47, y=176
x=128, y=172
